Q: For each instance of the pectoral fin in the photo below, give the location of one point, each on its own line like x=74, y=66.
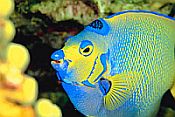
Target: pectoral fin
x=122, y=87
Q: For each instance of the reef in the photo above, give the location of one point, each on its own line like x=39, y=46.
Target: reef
x=30, y=30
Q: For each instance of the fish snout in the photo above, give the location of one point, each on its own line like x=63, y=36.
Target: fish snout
x=58, y=62
x=58, y=55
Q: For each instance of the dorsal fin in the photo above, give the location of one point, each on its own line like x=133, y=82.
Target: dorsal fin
x=140, y=11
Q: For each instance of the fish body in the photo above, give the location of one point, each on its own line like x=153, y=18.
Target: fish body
x=119, y=66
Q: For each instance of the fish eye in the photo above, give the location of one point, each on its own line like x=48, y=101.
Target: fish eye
x=86, y=48
x=86, y=51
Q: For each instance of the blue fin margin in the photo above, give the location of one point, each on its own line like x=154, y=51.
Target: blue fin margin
x=140, y=11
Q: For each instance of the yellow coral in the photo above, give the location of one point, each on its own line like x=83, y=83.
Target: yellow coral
x=6, y=7
x=18, y=92
x=9, y=109
x=44, y=108
x=25, y=94
x=10, y=75
x=18, y=56
x=8, y=30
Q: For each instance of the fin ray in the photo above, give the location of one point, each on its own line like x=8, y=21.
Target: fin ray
x=122, y=86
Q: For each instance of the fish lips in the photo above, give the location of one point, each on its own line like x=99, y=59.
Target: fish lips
x=60, y=68
x=62, y=72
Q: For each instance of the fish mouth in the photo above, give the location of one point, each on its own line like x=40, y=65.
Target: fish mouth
x=55, y=62
x=60, y=61
x=56, y=65
x=62, y=74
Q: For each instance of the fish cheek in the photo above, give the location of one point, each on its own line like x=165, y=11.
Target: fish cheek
x=81, y=66
x=83, y=69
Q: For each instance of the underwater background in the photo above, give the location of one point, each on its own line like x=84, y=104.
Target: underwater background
x=41, y=27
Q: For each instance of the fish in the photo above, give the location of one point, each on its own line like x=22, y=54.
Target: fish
x=119, y=65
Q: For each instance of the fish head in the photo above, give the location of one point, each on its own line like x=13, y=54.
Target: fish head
x=76, y=61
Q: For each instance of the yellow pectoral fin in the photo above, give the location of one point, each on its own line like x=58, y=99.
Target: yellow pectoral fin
x=122, y=87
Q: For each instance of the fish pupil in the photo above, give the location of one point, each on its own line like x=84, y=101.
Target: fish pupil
x=86, y=50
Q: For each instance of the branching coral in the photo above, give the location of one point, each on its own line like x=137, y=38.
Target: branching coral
x=18, y=91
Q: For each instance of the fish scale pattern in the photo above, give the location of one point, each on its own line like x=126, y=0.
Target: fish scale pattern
x=136, y=51
x=146, y=49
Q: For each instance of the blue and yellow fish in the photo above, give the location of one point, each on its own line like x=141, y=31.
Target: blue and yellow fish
x=119, y=66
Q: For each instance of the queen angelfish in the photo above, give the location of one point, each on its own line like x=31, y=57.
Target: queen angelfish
x=119, y=66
